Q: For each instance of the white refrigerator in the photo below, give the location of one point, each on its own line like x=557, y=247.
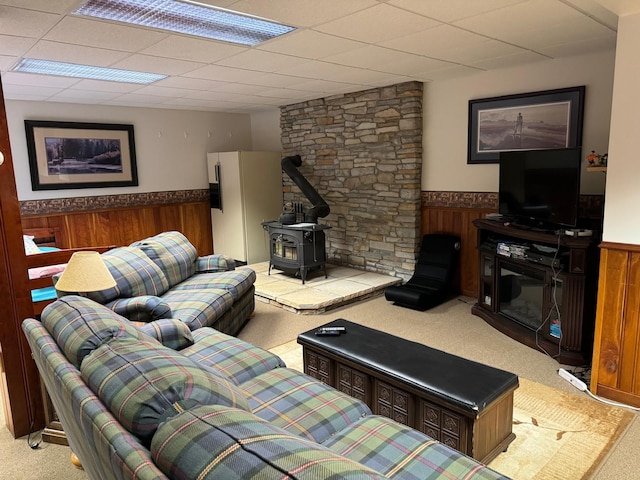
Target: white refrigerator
x=246, y=191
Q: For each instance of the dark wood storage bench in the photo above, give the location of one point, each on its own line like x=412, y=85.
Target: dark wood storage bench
x=461, y=403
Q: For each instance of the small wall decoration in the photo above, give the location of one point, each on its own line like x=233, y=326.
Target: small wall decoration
x=65, y=155
x=528, y=121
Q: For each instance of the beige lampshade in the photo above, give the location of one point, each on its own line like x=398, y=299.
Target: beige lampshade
x=85, y=272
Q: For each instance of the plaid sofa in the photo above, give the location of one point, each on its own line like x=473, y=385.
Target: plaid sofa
x=163, y=277
x=162, y=401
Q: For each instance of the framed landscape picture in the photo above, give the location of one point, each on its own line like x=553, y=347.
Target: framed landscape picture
x=66, y=155
x=528, y=121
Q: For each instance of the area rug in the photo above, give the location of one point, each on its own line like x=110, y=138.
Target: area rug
x=559, y=436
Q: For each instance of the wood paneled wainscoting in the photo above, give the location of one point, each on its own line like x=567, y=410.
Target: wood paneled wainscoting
x=616, y=356
x=122, y=219
x=454, y=213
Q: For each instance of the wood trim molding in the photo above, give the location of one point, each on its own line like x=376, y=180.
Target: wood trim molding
x=624, y=247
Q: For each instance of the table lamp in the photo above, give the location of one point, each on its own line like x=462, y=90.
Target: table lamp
x=85, y=272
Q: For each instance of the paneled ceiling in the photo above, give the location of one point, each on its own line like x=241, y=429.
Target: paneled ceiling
x=339, y=46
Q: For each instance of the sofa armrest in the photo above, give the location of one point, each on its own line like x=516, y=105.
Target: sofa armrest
x=215, y=263
x=169, y=332
x=144, y=308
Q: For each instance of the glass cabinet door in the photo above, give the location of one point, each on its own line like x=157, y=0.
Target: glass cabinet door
x=486, y=280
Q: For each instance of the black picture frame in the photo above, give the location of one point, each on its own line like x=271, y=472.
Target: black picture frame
x=68, y=155
x=526, y=121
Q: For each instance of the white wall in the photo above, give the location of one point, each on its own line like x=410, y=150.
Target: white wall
x=265, y=131
x=622, y=198
x=167, y=159
x=446, y=105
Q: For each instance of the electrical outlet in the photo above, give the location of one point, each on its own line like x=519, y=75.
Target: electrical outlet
x=579, y=384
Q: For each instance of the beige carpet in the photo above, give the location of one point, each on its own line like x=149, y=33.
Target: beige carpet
x=558, y=435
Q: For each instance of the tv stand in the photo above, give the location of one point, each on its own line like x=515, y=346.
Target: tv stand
x=545, y=299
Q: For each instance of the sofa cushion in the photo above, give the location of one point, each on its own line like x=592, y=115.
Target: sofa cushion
x=139, y=380
x=80, y=325
x=379, y=442
x=213, y=442
x=238, y=360
x=171, y=333
x=301, y=404
x=198, y=308
x=144, y=308
x=214, y=263
x=236, y=282
x=135, y=274
x=173, y=253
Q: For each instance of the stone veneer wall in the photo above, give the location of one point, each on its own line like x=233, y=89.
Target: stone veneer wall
x=362, y=152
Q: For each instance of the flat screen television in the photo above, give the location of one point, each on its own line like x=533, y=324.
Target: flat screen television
x=540, y=188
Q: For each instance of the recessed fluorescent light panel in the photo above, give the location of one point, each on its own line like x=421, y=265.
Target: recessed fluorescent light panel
x=46, y=67
x=190, y=18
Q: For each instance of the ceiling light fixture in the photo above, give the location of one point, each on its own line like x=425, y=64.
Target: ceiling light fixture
x=47, y=67
x=187, y=17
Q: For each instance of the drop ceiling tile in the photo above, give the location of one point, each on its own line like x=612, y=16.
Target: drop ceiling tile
x=274, y=80
x=377, y=24
x=138, y=99
x=508, y=61
x=10, y=45
x=192, y=49
x=451, y=10
x=322, y=70
x=32, y=79
x=188, y=83
x=29, y=90
x=25, y=23
x=580, y=47
x=595, y=9
x=165, y=66
x=194, y=104
x=239, y=88
x=452, y=44
x=573, y=31
x=57, y=6
x=262, y=61
x=157, y=91
x=104, y=86
x=298, y=13
x=84, y=95
x=384, y=60
x=6, y=62
x=64, y=52
x=220, y=73
x=447, y=73
x=507, y=23
x=309, y=44
x=108, y=35
x=324, y=86
x=288, y=93
x=621, y=7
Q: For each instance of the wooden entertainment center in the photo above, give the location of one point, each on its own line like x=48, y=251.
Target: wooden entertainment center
x=539, y=288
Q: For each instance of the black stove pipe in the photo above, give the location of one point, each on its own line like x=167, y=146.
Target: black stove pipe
x=320, y=207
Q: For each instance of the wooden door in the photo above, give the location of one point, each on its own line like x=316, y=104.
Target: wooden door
x=19, y=377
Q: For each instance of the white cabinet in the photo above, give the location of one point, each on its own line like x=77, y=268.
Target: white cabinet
x=250, y=186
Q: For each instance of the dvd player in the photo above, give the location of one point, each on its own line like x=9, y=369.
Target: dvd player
x=544, y=259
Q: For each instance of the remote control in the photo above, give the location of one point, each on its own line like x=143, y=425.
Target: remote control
x=325, y=332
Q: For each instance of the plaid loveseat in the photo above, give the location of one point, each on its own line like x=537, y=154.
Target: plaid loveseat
x=163, y=277
x=162, y=401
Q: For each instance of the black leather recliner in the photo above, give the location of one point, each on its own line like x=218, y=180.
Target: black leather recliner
x=433, y=278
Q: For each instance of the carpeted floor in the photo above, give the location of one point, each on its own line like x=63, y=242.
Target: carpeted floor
x=449, y=327
x=549, y=425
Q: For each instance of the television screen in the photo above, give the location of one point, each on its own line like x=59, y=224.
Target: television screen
x=540, y=188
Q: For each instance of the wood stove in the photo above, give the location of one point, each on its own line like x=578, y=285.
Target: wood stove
x=297, y=248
